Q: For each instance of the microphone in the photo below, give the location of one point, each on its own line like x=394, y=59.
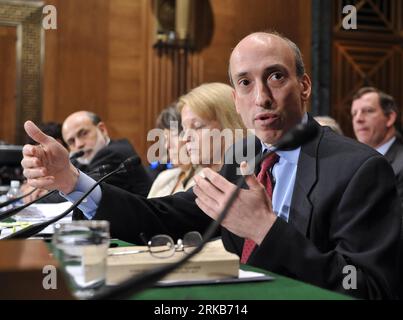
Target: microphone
x=31, y=230
x=76, y=155
x=296, y=137
x=6, y=203
x=13, y=211
x=101, y=170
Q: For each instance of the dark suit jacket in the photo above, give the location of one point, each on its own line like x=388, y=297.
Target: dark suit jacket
x=395, y=158
x=138, y=181
x=343, y=212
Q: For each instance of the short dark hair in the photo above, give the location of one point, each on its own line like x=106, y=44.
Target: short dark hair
x=299, y=62
x=386, y=101
x=170, y=113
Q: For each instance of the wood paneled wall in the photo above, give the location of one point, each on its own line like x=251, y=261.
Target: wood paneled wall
x=8, y=90
x=101, y=56
x=372, y=55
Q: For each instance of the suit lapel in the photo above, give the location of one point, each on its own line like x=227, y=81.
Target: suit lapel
x=391, y=154
x=306, y=177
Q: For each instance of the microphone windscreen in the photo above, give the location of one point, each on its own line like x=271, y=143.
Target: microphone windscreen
x=104, y=169
x=297, y=136
x=129, y=164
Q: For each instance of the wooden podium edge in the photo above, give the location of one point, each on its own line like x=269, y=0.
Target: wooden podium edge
x=25, y=271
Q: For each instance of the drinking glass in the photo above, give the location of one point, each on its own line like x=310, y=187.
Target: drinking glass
x=82, y=248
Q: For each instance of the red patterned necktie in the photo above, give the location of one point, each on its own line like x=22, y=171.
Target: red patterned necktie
x=264, y=177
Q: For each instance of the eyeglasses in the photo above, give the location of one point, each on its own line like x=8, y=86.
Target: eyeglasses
x=163, y=246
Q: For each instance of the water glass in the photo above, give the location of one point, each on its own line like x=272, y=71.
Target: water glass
x=82, y=249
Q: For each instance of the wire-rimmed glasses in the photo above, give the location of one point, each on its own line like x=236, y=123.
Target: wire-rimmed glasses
x=163, y=246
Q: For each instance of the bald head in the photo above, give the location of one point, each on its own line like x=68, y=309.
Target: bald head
x=84, y=130
x=272, y=39
x=271, y=89
x=94, y=118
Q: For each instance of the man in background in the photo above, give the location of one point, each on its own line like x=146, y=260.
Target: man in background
x=374, y=114
x=84, y=131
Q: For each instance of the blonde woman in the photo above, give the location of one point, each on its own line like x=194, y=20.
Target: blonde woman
x=210, y=126
x=210, y=122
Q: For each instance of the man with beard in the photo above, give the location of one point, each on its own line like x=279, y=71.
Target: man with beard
x=84, y=131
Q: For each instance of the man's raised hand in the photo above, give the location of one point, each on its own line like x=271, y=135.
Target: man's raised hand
x=47, y=164
x=250, y=216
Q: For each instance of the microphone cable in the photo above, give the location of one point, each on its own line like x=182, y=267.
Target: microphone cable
x=13, y=211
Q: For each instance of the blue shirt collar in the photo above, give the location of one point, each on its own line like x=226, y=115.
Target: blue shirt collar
x=291, y=155
x=385, y=147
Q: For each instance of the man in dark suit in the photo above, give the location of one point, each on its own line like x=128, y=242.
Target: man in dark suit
x=333, y=206
x=374, y=116
x=84, y=131
x=395, y=157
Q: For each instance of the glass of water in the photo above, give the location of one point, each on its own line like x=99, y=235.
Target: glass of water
x=82, y=249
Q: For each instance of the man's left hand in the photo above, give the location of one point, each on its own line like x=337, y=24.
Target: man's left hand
x=251, y=215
